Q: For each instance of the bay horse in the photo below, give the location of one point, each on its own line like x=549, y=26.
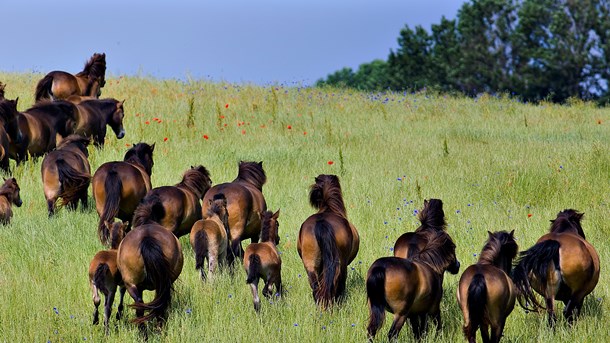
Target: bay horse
x=210, y=237
x=181, y=203
x=66, y=173
x=410, y=288
x=245, y=201
x=94, y=114
x=9, y=195
x=432, y=218
x=327, y=241
x=9, y=129
x=262, y=260
x=562, y=265
x=60, y=84
x=486, y=293
x=104, y=275
x=119, y=186
x=150, y=258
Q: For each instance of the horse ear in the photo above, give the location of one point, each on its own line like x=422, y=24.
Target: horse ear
x=152, y=147
x=489, y=234
x=276, y=214
x=512, y=233
x=260, y=163
x=16, y=100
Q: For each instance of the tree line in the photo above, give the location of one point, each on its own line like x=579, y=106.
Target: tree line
x=532, y=49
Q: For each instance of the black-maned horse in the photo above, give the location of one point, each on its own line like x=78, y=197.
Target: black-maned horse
x=60, y=84
x=93, y=115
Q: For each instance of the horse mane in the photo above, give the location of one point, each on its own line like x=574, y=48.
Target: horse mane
x=267, y=234
x=197, y=179
x=499, y=250
x=253, y=173
x=95, y=68
x=150, y=210
x=80, y=141
x=2, y=85
x=432, y=216
x=438, y=251
x=217, y=204
x=326, y=195
x=568, y=221
x=137, y=154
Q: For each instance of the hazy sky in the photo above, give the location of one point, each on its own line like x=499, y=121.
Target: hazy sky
x=265, y=41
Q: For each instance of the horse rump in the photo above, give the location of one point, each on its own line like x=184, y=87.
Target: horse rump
x=43, y=88
x=100, y=276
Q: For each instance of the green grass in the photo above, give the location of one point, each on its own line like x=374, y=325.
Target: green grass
x=492, y=162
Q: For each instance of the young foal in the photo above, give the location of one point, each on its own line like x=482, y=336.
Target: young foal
x=9, y=194
x=210, y=237
x=104, y=275
x=262, y=260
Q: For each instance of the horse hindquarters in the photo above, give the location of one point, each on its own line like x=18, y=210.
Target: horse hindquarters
x=375, y=291
x=253, y=267
x=475, y=306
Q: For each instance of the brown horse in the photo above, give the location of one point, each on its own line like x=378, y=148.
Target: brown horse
x=40, y=126
x=150, y=258
x=262, y=260
x=245, y=201
x=327, y=241
x=66, y=173
x=180, y=203
x=60, y=84
x=104, y=275
x=9, y=195
x=119, y=186
x=9, y=129
x=562, y=265
x=432, y=218
x=486, y=294
x=410, y=288
x=210, y=237
x=94, y=114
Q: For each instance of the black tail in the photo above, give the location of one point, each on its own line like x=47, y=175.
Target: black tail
x=201, y=249
x=159, y=275
x=72, y=182
x=150, y=210
x=112, y=188
x=477, y=298
x=375, y=292
x=535, y=260
x=43, y=88
x=99, y=278
x=255, y=268
x=331, y=266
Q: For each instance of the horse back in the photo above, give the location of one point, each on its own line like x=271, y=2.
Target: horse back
x=65, y=84
x=406, y=242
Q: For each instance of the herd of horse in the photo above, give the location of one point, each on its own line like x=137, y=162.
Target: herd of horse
x=144, y=251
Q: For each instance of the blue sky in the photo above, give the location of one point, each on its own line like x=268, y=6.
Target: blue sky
x=262, y=42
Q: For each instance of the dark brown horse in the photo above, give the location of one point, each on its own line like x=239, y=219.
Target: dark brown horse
x=94, y=114
x=104, y=275
x=410, y=288
x=210, y=237
x=245, y=201
x=181, y=203
x=118, y=186
x=562, y=266
x=9, y=129
x=432, y=218
x=61, y=84
x=9, y=195
x=150, y=258
x=66, y=173
x=327, y=241
x=262, y=260
x=486, y=294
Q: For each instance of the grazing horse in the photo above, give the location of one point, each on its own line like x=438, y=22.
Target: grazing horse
x=9, y=195
x=262, y=260
x=119, y=186
x=432, y=218
x=245, y=201
x=486, y=294
x=60, y=84
x=327, y=241
x=94, y=114
x=210, y=237
x=562, y=266
x=150, y=258
x=104, y=275
x=66, y=173
x=410, y=288
x=9, y=129
x=181, y=202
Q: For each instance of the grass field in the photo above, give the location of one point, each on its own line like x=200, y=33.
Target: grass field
x=497, y=164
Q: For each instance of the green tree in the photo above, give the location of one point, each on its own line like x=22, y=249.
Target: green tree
x=409, y=67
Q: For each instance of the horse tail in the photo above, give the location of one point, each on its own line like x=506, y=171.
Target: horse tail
x=71, y=181
x=375, y=292
x=43, y=88
x=535, y=261
x=99, y=278
x=254, y=269
x=112, y=188
x=201, y=248
x=477, y=298
x=325, y=236
x=159, y=275
x=150, y=210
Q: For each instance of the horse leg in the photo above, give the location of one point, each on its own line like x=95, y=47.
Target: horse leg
x=496, y=331
x=550, y=307
x=51, y=207
x=314, y=283
x=84, y=200
x=96, y=303
x=423, y=325
x=399, y=321
x=212, y=265
x=136, y=294
x=573, y=306
x=415, y=327
x=485, y=333
x=255, y=299
x=341, y=281
x=108, y=308
x=119, y=312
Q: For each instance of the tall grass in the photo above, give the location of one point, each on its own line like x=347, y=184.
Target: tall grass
x=496, y=163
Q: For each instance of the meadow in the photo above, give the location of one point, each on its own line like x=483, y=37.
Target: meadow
x=496, y=163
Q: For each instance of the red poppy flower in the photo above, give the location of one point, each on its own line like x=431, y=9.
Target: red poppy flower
x=289, y=127
x=147, y=122
x=529, y=215
x=330, y=163
x=205, y=137
x=304, y=133
x=226, y=105
x=222, y=117
x=165, y=139
x=243, y=132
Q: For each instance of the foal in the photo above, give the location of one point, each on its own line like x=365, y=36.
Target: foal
x=9, y=194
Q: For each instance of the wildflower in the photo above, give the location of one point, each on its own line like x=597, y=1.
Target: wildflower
x=304, y=133
x=243, y=132
x=330, y=163
x=165, y=139
x=289, y=127
x=226, y=105
x=206, y=137
x=529, y=215
x=147, y=122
